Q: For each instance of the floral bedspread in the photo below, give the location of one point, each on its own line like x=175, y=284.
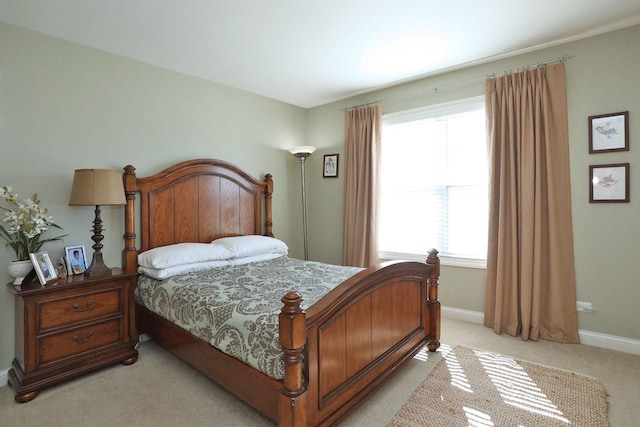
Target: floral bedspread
x=236, y=308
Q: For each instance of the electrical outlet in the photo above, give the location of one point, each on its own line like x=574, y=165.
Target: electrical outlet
x=584, y=306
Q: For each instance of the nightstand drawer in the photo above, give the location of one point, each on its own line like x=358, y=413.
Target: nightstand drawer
x=79, y=340
x=78, y=308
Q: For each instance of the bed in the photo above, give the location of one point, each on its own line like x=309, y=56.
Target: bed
x=335, y=351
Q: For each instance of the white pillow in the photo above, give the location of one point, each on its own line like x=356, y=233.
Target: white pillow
x=182, y=253
x=165, y=273
x=254, y=258
x=251, y=245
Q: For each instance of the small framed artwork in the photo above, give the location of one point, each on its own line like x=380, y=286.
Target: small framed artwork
x=76, y=259
x=44, y=267
x=609, y=132
x=330, y=166
x=609, y=183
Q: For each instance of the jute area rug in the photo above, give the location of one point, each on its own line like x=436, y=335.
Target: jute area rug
x=471, y=387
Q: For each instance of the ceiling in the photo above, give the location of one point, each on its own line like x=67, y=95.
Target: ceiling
x=312, y=52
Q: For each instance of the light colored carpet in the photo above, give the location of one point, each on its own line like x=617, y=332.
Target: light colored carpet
x=472, y=387
x=159, y=390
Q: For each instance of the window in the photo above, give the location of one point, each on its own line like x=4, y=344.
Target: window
x=434, y=175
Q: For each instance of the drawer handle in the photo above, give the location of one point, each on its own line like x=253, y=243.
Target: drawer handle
x=77, y=308
x=81, y=340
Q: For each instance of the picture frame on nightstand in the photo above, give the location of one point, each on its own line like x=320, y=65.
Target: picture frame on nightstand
x=61, y=267
x=44, y=267
x=76, y=259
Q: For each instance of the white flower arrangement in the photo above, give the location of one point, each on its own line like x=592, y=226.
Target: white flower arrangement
x=26, y=223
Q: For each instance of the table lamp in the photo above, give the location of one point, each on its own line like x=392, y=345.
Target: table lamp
x=97, y=187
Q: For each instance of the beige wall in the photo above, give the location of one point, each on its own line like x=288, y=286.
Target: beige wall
x=602, y=78
x=63, y=107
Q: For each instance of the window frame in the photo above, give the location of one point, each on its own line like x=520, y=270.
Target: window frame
x=430, y=111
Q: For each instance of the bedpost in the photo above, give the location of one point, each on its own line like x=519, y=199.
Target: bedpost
x=292, y=407
x=433, y=304
x=268, y=220
x=130, y=254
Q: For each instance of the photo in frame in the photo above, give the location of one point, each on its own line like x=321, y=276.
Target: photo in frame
x=609, y=183
x=609, y=132
x=44, y=267
x=61, y=267
x=330, y=166
x=76, y=259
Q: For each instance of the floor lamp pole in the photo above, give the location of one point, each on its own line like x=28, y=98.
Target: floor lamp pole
x=304, y=209
x=302, y=153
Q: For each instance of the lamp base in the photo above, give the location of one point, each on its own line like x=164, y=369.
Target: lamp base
x=98, y=267
x=99, y=273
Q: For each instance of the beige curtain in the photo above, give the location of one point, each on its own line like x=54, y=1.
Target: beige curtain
x=530, y=287
x=362, y=165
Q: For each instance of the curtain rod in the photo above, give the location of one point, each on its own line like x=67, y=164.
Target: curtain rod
x=435, y=89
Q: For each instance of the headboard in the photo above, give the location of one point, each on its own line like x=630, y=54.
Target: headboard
x=193, y=201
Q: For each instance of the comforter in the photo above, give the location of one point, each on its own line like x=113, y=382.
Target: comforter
x=236, y=308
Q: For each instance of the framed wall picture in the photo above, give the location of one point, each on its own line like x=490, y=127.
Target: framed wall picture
x=609, y=183
x=43, y=266
x=609, y=132
x=330, y=166
x=76, y=259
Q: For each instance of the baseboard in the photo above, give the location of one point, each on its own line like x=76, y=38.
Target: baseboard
x=613, y=342
x=460, y=314
x=4, y=377
x=595, y=339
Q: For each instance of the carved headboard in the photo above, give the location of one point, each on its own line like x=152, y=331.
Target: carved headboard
x=193, y=201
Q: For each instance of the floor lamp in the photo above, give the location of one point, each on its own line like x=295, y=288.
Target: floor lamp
x=302, y=152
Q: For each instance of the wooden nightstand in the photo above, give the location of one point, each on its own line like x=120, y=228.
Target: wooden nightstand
x=70, y=327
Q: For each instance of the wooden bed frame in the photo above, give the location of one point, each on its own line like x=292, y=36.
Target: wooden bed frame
x=336, y=351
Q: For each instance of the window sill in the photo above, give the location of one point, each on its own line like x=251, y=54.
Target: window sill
x=444, y=260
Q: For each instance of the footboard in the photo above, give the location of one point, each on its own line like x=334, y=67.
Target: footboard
x=351, y=340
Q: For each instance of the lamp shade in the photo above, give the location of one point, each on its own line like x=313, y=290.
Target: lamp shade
x=97, y=187
x=302, y=150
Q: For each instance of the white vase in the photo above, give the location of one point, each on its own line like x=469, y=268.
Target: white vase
x=19, y=270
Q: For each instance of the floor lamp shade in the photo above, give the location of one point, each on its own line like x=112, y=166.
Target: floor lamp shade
x=97, y=187
x=302, y=150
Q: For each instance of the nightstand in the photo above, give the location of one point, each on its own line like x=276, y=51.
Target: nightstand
x=70, y=327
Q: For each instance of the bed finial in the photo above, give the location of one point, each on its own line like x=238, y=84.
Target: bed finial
x=433, y=281
x=268, y=221
x=292, y=340
x=433, y=258
x=130, y=253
